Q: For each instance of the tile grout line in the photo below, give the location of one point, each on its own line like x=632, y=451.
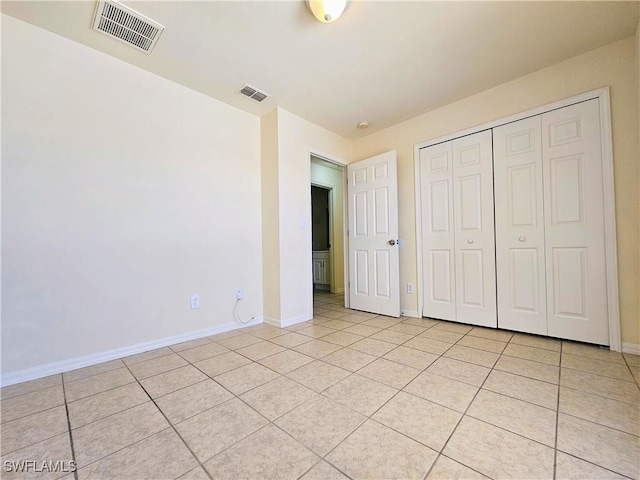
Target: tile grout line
x=41, y=440
x=235, y=397
x=116, y=413
x=367, y=417
x=104, y=391
x=510, y=431
x=558, y=386
x=516, y=398
x=70, y=382
x=637, y=380
x=517, y=375
x=601, y=425
x=170, y=352
x=555, y=444
x=111, y=414
x=32, y=413
x=53, y=386
x=464, y=414
x=557, y=416
x=479, y=388
x=321, y=457
x=66, y=408
x=350, y=374
x=172, y=426
x=599, y=395
x=33, y=391
x=596, y=465
x=123, y=448
x=599, y=375
x=370, y=417
x=421, y=372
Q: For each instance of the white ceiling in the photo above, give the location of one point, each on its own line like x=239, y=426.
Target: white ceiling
x=383, y=62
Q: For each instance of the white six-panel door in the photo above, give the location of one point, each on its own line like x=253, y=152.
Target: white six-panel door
x=574, y=224
x=374, y=266
x=475, y=277
x=438, y=265
x=520, y=255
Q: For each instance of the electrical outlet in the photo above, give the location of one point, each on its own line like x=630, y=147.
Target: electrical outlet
x=411, y=288
x=239, y=295
x=195, y=301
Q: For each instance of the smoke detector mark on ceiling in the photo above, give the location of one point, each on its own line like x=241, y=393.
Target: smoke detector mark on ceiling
x=126, y=25
x=252, y=92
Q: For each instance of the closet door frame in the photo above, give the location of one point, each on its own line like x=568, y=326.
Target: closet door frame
x=603, y=96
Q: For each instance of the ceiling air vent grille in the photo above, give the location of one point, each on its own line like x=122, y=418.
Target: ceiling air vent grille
x=126, y=25
x=253, y=93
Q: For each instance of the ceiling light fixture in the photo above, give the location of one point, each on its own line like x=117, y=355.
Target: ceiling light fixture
x=327, y=11
x=363, y=125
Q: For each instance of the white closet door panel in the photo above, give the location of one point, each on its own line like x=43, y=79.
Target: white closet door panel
x=436, y=179
x=475, y=276
x=520, y=255
x=472, y=278
x=574, y=224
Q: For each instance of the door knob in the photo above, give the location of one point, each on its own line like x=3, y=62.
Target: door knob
x=470, y=241
x=392, y=242
x=522, y=239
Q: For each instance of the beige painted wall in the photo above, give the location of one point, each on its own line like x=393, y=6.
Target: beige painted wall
x=637, y=339
x=270, y=214
x=122, y=194
x=328, y=176
x=614, y=65
x=296, y=140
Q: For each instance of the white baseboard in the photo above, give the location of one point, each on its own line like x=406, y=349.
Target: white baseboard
x=287, y=322
x=52, y=368
x=631, y=348
x=409, y=313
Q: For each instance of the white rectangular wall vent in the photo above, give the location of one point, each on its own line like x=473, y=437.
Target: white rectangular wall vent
x=127, y=25
x=252, y=92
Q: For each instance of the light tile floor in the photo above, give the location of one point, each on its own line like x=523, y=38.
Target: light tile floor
x=345, y=395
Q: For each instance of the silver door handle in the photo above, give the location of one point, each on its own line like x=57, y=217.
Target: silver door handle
x=392, y=242
x=522, y=239
x=470, y=241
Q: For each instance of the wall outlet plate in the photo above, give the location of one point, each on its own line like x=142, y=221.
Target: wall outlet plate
x=411, y=288
x=239, y=295
x=195, y=302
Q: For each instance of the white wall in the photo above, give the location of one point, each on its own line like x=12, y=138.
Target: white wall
x=123, y=194
x=296, y=140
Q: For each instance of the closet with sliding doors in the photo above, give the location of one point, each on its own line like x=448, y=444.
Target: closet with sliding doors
x=512, y=223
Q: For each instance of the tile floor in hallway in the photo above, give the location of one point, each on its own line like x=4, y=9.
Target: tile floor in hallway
x=346, y=395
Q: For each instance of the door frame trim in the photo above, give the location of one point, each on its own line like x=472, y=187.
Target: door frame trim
x=611, y=254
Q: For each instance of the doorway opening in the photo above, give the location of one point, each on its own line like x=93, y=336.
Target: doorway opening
x=328, y=232
x=321, y=238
